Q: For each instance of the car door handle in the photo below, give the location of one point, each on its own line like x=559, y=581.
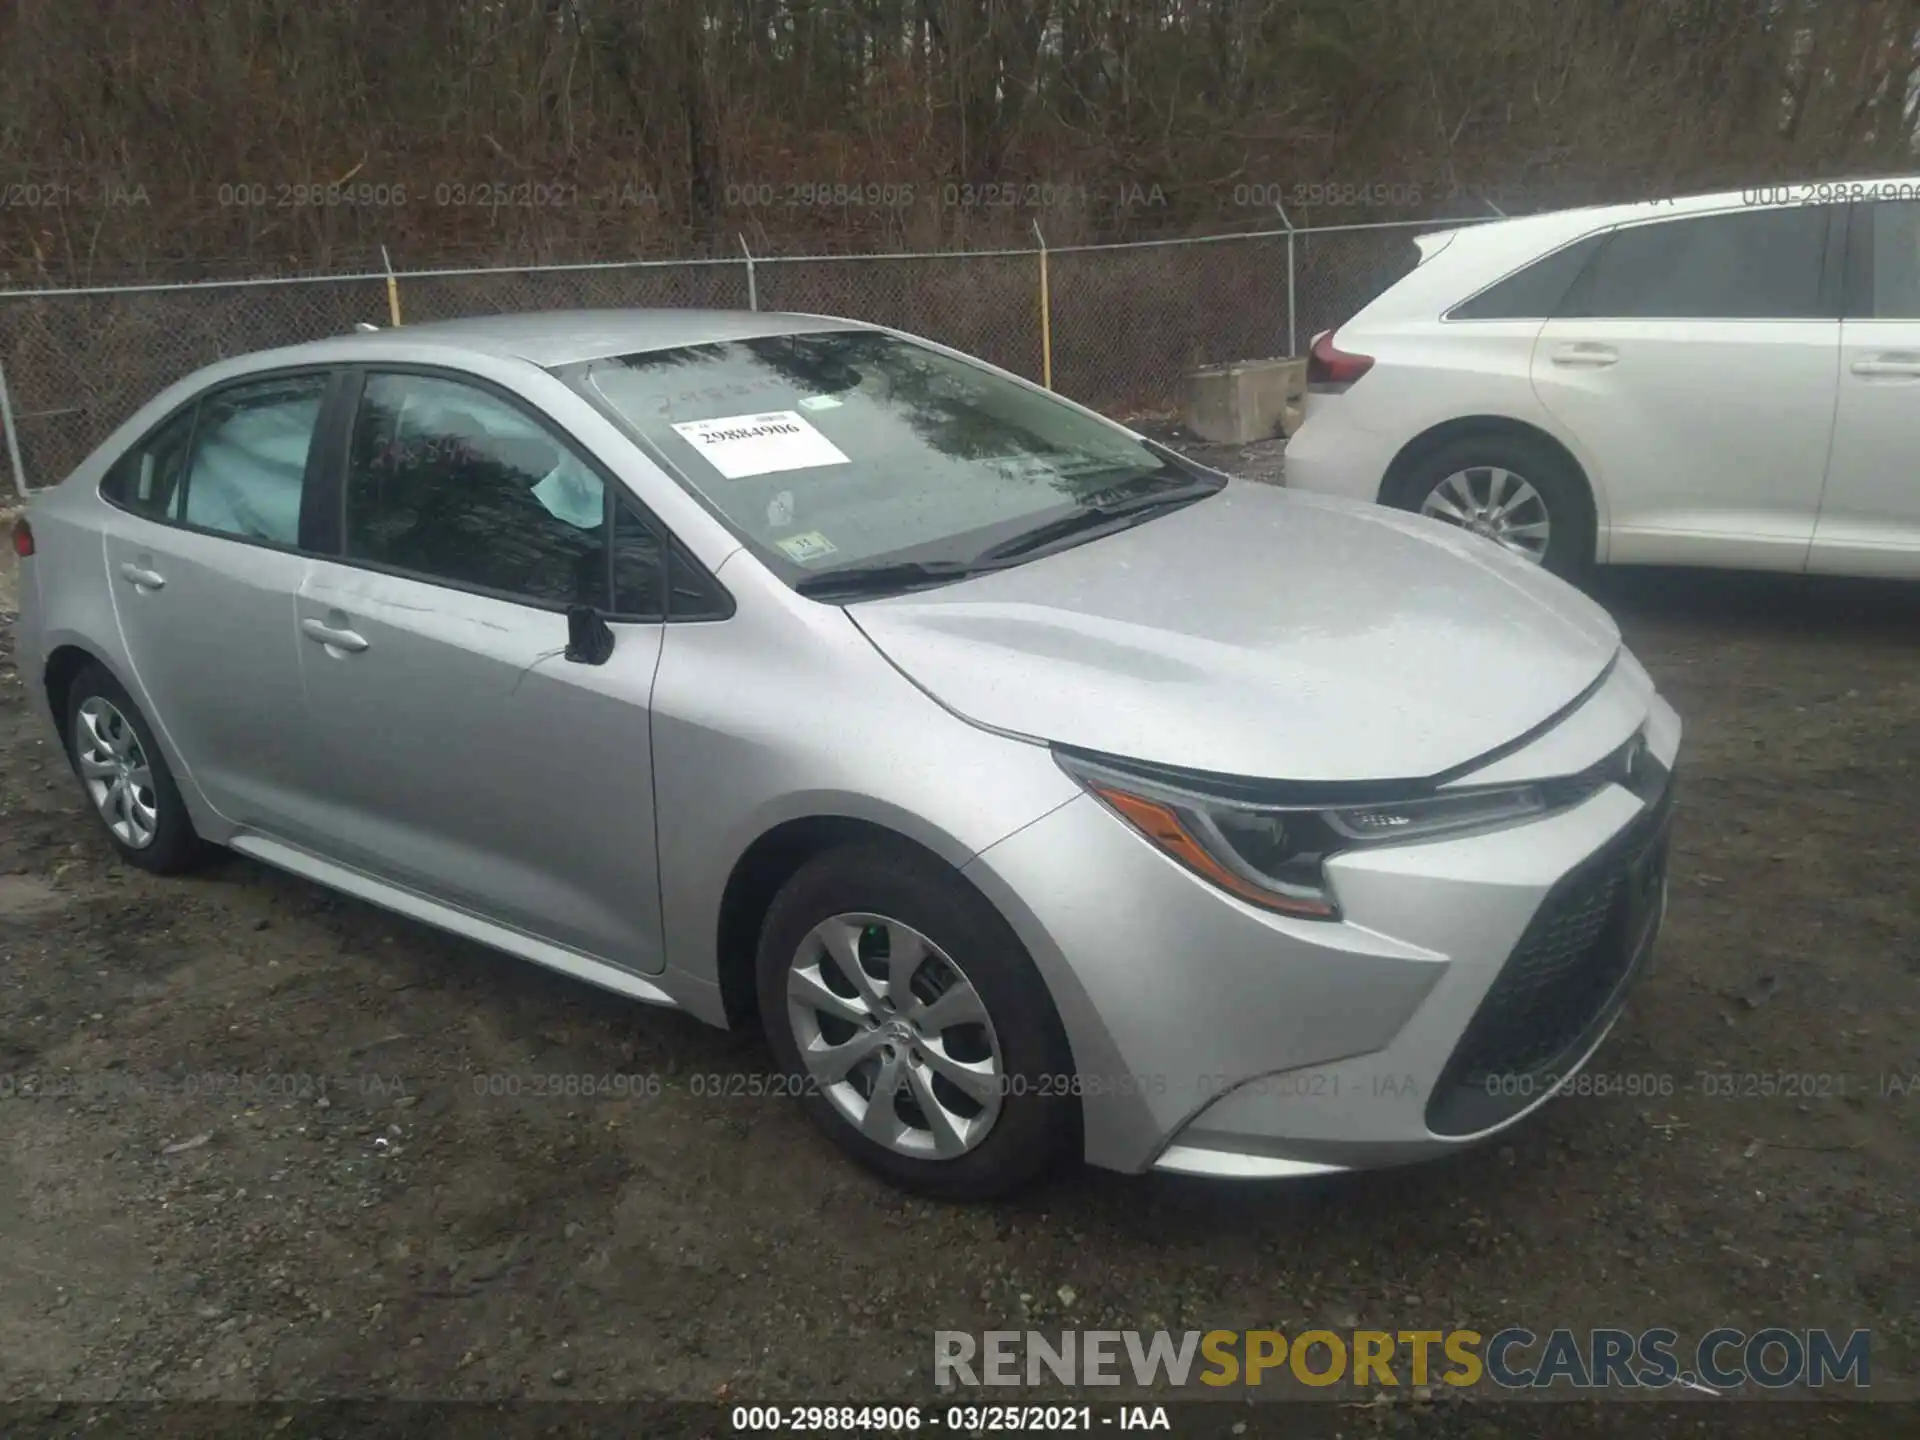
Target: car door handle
x=141, y=577
x=1904, y=365
x=1594, y=356
x=322, y=633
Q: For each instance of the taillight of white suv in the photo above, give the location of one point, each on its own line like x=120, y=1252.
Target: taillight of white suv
x=1330, y=369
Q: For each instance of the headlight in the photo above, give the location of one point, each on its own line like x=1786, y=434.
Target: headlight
x=1274, y=855
x=1436, y=815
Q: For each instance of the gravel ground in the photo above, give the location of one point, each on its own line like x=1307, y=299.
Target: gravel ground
x=343, y=1211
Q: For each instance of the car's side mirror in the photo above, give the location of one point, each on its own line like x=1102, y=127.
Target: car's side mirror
x=589, y=638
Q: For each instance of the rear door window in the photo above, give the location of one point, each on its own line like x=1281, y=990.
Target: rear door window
x=249, y=461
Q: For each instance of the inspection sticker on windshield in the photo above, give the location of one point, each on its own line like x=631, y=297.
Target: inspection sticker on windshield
x=742, y=445
x=808, y=547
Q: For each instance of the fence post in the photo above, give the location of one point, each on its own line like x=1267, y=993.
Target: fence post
x=753, y=289
x=1293, y=333
x=393, y=289
x=13, y=435
x=1046, y=314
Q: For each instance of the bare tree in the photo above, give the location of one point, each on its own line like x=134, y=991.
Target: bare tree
x=167, y=136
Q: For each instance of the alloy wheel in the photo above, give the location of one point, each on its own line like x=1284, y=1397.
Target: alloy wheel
x=895, y=1036
x=114, y=768
x=1495, y=503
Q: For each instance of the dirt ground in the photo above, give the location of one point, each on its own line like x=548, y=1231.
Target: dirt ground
x=263, y=1158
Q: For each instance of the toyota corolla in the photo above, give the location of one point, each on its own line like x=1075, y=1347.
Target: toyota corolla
x=1038, y=791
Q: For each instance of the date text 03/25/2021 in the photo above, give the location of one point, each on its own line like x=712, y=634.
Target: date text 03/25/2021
x=958, y=1419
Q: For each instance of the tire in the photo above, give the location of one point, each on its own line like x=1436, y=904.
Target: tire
x=1561, y=489
x=1019, y=1057
x=172, y=847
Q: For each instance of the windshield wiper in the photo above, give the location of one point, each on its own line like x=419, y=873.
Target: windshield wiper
x=894, y=577
x=891, y=577
x=1096, y=517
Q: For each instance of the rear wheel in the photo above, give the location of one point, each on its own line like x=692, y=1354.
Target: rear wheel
x=1513, y=490
x=125, y=777
x=913, y=1025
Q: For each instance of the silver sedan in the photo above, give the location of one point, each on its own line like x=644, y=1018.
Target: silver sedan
x=1041, y=792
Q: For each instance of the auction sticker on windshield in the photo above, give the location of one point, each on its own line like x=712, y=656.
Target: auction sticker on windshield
x=808, y=547
x=739, y=446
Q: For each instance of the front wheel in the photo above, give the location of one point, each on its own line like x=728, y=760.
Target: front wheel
x=1509, y=489
x=912, y=1023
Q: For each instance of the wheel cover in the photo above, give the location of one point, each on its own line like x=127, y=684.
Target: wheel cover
x=895, y=1036
x=116, y=772
x=1496, y=503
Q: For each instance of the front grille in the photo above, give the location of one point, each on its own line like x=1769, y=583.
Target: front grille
x=1560, y=973
x=1564, y=981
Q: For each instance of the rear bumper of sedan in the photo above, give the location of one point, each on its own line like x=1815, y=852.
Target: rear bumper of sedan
x=1465, y=980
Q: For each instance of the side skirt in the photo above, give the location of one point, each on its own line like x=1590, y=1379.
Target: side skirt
x=445, y=917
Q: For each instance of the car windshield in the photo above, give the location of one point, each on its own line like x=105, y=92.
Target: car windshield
x=843, y=451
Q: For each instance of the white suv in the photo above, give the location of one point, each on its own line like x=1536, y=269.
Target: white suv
x=1724, y=380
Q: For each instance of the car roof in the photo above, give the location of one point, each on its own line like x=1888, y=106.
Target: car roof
x=1460, y=260
x=1553, y=227
x=1771, y=193
x=549, y=338
x=561, y=337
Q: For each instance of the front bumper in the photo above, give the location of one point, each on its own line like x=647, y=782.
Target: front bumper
x=1466, y=977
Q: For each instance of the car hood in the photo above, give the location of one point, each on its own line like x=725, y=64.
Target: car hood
x=1259, y=632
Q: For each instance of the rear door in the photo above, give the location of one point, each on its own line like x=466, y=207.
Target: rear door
x=204, y=561
x=1695, y=360
x=465, y=757
x=1870, y=512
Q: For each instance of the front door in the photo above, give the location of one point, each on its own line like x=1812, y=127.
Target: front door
x=467, y=758
x=1870, y=512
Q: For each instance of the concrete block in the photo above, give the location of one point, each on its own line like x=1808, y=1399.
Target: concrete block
x=1246, y=400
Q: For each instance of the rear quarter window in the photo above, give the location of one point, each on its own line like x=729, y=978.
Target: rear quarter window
x=1534, y=293
x=147, y=479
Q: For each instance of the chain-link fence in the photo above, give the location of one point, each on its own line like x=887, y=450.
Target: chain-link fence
x=1116, y=326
